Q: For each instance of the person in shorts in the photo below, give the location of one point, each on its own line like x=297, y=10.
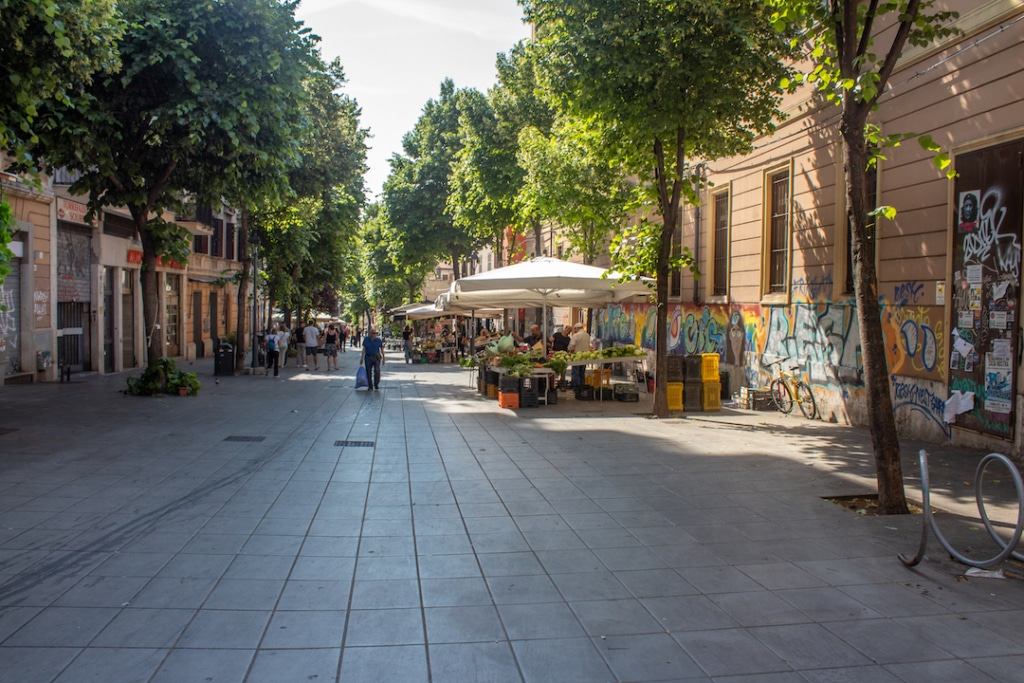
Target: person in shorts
x=311, y=336
x=331, y=340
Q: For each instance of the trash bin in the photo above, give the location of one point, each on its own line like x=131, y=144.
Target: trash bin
x=224, y=360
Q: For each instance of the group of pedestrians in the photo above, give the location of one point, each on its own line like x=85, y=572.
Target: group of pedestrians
x=310, y=342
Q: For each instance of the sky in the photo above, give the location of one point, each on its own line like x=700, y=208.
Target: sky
x=397, y=52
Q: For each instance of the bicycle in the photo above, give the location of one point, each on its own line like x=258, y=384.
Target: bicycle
x=787, y=389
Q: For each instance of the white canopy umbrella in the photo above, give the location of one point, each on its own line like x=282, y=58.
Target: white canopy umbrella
x=544, y=281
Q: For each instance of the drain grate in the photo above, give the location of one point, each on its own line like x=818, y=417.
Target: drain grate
x=355, y=444
x=7, y=430
x=245, y=439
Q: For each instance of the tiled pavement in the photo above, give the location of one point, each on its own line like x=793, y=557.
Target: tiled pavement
x=136, y=544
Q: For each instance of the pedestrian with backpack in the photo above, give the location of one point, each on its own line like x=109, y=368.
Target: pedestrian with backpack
x=273, y=353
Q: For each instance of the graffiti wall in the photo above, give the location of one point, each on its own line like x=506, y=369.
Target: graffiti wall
x=820, y=341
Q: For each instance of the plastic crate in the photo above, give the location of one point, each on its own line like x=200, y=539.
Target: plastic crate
x=709, y=367
x=508, y=383
x=528, y=400
x=508, y=400
x=491, y=377
x=692, y=366
x=676, y=368
x=693, y=395
x=712, y=396
x=585, y=393
x=626, y=392
x=492, y=391
x=675, y=396
x=599, y=378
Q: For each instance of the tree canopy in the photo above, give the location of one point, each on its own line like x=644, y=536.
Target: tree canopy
x=669, y=81
x=208, y=96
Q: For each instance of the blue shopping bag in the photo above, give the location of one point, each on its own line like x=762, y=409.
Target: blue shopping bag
x=361, y=379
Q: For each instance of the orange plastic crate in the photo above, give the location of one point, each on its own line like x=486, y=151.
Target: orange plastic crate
x=709, y=367
x=509, y=400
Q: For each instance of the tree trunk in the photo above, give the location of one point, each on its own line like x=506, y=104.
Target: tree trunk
x=242, y=298
x=150, y=293
x=497, y=251
x=881, y=419
x=538, y=241
x=456, y=266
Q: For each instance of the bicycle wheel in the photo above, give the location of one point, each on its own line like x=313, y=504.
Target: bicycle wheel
x=782, y=396
x=805, y=397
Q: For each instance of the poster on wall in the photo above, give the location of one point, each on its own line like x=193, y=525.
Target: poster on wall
x=998, y=383
x=969, y=206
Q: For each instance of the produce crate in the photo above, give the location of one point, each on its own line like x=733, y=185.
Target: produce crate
x=693, y=395
x=508, y=399
x=755, y=399
x=528, y=400
x=491, y=377
x=599, y=378
x=492, y=391
x=709, y=367
x=676, y=368
x=693, y=368
x=712, y=397
x=675, y=396
x=585, y=393
x=552, y=397
x=508, y=383
x=527, y=392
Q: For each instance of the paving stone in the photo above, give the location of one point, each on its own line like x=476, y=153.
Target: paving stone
x=168, y=592
x=509, y=564
x=63, y=627
x=647, y=657
x=573, y=660
x=239, y=594
x=154, y=628
x=544, y=620
x=808, y=646
x=313, y=595
x=949, y=671
x=225, y=629
x=517, y=590
x=456, y=663
x=454, y=592
x=306, y=629
x=219, y=666
x=391, y=594
x=294, y=666
x=615, y=617
x=103, y=665
x=463, y=624
x=400, y=664
x=729, y=652
x=34, y=664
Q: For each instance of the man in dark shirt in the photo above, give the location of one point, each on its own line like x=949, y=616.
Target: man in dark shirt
x=533, y=337
x=373, y=357
x=560, y=340
x=407, y=343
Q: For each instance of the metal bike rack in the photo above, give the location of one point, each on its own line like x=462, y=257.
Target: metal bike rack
x=1006, y=549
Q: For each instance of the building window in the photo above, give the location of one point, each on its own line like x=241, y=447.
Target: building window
x=871, y=190
x=778, y=231
x=229, y=242
x=217, y=243
x=721, y=243
x=201, y=244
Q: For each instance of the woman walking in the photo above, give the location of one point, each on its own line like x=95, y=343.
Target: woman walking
x=273, y=354
x=331, y=338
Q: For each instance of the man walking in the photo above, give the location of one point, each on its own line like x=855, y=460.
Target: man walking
x=373, y=358
x=407, y=343
x=311, y=335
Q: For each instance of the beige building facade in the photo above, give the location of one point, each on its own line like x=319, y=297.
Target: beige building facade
x=772, y=246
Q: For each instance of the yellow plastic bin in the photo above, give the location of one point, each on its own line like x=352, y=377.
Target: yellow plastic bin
x=709, y=367
x=712, y=396
x=675, y=396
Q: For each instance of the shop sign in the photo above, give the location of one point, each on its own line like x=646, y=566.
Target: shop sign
x=71, y=211
x=134, y=256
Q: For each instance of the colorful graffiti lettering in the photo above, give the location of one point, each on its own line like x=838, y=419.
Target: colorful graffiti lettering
x=908, y=395
x=914, y=341
x=821, y=339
